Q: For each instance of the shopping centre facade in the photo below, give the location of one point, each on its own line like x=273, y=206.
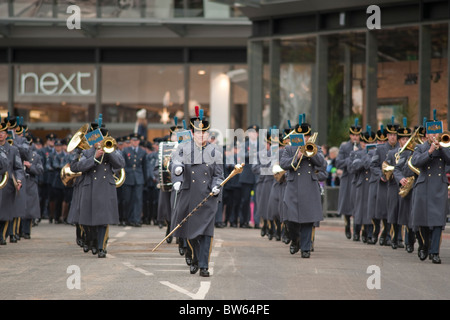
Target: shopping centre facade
x=244, y=62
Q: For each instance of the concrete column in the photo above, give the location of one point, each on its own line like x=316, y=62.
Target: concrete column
x=220, y=101
x=319, y=113
x=11, y=83
x=424, y=71
x=274, y=65
x=255, y=80
x=371, y=99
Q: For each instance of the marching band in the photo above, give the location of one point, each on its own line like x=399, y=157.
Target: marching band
x=393, y=185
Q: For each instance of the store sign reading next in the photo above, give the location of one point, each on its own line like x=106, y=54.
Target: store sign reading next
x=52, y=84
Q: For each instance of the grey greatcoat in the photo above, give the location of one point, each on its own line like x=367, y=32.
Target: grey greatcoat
x=32, y=193
x=202, y=170
x=74, y=211
x=401, y=171
x=98, y=195
x=393, y=199
x=8, y=193
x=373, y=185
x=377, y=160
x=25, y=153
x=361, y=168
x=302, y=199
x=429, y=204
x=264, y=182
x=346, y=194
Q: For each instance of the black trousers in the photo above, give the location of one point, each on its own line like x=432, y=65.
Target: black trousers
x=201, y=249
x=301, y=232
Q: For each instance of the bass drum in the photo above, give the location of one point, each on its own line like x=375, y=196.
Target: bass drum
x=165, y=152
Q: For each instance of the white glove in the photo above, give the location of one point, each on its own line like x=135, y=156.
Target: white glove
x=177, y=185
x=178, y=171
x=215, y=190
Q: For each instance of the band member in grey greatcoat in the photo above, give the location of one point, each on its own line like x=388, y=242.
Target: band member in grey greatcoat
x=361, y=168
x=302, y=197
x=378, y=158
x=33, y=169
x=402, y=172
x=392, y=158
x=346, y=194
x=262, y=169
x=197, y=170
x=98, y=196
x=9, y=192
x=429, y=204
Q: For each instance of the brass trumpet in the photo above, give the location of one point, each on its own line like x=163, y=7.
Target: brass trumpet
x=108, y=144
x=444, y=139
x=307, y=150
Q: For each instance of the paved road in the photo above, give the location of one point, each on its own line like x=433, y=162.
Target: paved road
x=244, y=266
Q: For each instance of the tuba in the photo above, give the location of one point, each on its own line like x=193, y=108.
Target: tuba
x=4, y=180
x=79, y=140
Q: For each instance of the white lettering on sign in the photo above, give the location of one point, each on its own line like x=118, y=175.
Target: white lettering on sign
x=51, y=84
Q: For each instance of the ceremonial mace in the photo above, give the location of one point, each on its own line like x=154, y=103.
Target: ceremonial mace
x=237, y=169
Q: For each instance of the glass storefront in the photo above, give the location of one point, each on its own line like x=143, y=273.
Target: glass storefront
x=61, y=97
x=397, y=78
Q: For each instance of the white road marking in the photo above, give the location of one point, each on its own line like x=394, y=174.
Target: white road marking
x=199, y=295
x=144, y=272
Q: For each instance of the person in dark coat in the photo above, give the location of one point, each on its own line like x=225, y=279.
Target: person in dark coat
x=430, y=194
x=98, y=196
x=54, y=164
x=232, y=191
x=302, y=197
x=247, y=178
x=381, y=206
x=346, y=193
x=197, y=171
x=133, y=186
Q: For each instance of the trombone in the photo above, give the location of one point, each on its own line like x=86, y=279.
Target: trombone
x=307, y=150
